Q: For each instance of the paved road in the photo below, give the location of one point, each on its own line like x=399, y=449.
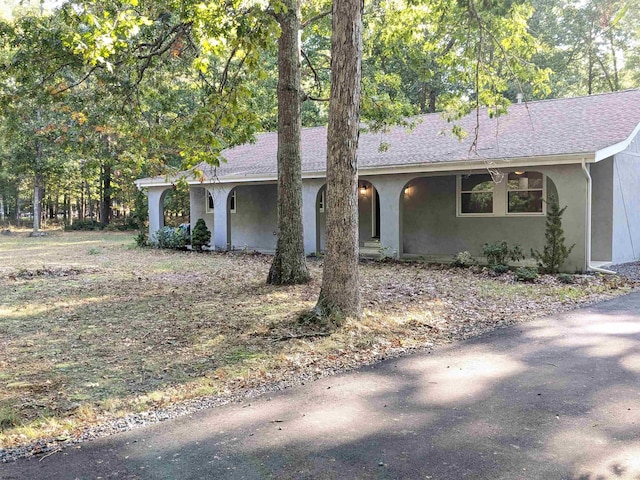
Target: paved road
x=556, y=398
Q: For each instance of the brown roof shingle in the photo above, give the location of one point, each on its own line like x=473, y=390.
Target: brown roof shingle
x=541, y=128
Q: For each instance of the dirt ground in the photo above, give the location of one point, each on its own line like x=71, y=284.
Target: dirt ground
x=93, y=328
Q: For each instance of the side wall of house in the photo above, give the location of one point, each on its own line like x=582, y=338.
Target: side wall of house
x=255, y=221
x=431, y=226
x=198, y=201
x=626, y=201
x=602, y=210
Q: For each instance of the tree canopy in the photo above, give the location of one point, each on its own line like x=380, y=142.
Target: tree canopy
x=95, y=94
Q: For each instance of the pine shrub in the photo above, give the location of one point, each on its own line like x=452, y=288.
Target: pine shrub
x=201, y=235
x=555, y=251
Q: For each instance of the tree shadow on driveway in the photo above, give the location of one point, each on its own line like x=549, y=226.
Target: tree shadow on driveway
x=556, y=398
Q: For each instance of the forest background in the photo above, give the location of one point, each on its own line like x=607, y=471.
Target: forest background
x=96, y=94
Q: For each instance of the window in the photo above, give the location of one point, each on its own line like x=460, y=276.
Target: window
x=519, y=193
x=321, y=201
x=209, y=205
x=476, y=194
x=525, y=192
x=232, y=202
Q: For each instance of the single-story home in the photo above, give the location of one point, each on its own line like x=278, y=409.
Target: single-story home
x=426, y=193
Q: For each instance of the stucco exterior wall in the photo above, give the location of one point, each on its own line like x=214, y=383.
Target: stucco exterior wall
x=155, y=199
x=253, y=224
x=626, y=204
x=431, y=226
x=198, y=208
x=602, y=210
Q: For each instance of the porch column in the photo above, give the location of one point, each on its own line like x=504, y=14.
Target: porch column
x=220, y=195
x=310, y=189
x=389, y=189
x=571, y=184
x=198, y=203
x=155, y=198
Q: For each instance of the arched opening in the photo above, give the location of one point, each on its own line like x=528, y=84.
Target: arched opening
x=252, y=217
x=175, y=206
x=321, y=218
x=369, y=216
x=442, y=215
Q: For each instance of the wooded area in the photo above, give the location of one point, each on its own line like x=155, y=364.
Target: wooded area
x=96, y=94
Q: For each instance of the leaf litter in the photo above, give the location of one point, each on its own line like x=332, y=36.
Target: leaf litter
x=94, y=343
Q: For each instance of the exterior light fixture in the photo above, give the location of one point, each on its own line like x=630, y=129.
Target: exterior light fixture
x=518, y=173
x=407, y=190
x=363, y=190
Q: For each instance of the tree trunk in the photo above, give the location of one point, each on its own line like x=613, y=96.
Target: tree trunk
x=37, y=201
x=432, y=100
x=105, y=204
x=340, y=293
x=289, y=265
x=16, y=211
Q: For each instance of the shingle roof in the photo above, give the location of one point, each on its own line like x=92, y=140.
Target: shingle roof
x=580, y=125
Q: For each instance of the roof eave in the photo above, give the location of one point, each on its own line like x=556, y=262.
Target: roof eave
x=435, y=167
x=611, y=150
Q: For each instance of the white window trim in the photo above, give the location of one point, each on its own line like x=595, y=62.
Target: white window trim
x=459, y=200
x=208, y=196
x=501, y=199
x=233, y=199
x=526, y=214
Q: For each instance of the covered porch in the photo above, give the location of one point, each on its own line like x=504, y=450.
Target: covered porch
x=422, y=215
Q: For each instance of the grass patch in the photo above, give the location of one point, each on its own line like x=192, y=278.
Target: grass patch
x=92, y=330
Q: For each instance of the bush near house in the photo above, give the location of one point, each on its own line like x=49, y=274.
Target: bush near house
x=463, y=260
x=170, y=237
x=201, y=235
x=499, y=253
x=555, y=251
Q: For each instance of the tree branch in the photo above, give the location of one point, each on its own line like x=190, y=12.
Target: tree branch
x=314, y=19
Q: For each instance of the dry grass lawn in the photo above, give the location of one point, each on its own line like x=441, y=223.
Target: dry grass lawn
x=92, y=328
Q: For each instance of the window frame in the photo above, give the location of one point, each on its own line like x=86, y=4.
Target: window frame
x=233, y=202
x=501, y=197
x=322, y=201
x=208, y=202
x=543, y=190
x=459, y=193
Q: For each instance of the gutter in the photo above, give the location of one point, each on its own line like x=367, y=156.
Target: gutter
x=585, y=170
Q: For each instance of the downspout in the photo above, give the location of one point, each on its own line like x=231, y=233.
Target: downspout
x=588, y=224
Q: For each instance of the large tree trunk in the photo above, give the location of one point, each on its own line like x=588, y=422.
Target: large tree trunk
x=289, y=265
x=340, y=293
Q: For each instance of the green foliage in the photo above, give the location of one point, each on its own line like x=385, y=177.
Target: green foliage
x=8, y=418
x=200, y=236
x=463, y=260
x=84, y=225
x=565, y=278
x=171, y=238
x=526, y=274
x=141, y=240
x=555, y=251
x=499, y=253
x=499, y=268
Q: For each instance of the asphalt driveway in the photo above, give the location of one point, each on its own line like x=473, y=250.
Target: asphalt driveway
x=556, y=398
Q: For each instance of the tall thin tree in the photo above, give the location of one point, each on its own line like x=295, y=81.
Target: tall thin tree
x=340, y=293
x=289, y=265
